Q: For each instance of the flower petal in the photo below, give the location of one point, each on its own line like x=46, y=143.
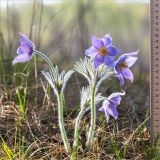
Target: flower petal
x=22, y=58
x=130, y=58
x=117, y=94
x=112, y=110
x=104, y=109
x=107, y=40
x=133, y=54
x=115, y=98
x=96, y=63
x=106, y=114
x=109, y=61
x=101, y=109
x=91, y=52
x=121, y=78
x=98, y=60
x=131, y=61
x=109, y=109
x=121, y=59
x=96, y=42
x=113, y=51
x=127, y=74
x=25, y=47
x=20, y=50
x=25, y=39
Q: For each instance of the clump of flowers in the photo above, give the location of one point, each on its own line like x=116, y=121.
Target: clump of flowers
x=101, y=63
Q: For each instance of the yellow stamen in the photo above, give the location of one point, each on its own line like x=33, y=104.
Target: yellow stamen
x=122, y=65
x=103, y=51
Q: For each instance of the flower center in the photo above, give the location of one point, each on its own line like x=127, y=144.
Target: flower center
x=122, y=65
x=103, y=51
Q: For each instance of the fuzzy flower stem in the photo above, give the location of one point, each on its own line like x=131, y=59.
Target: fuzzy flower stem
x=76, y=133
x=61, y=122
x=74, y=155
x=93, y=119
x=60, y=105
x=45, y=58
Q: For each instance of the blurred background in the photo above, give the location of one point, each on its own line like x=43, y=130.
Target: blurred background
x=62, y=29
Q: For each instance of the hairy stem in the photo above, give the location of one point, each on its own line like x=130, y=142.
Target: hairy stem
x=60, y=105
x=61, y=123
x=76, y=131
x=45, y=58
x=93, y=119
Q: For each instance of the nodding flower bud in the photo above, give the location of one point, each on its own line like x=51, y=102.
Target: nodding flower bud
x=57, y=80
x=59, y=85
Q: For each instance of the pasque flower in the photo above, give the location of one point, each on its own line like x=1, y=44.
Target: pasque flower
x=123, y=64
x=102, y=51
x=25, y=50
x=109, y=106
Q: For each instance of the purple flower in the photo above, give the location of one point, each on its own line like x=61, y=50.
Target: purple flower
x=122, y=66
x=102, y=51
x=25, y=50
x=109, y=106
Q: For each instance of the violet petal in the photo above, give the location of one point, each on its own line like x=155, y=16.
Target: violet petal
x=131, y=61
x=121, y=78
x=107, y=40
x=91, y=52
x=96, y=42
x=109, y=61
x=113, y=51
x=127, y=74
x=112, y=110
x=21, y=58
x=98, y=60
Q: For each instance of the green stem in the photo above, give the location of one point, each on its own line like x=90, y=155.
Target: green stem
x=93, y=119
x=76, y=132
x=61, y=123
x=60, y=105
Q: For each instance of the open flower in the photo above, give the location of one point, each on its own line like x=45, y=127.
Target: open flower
x=102, y=51
x=25, y=50
x=123, y=64
x=109, y=106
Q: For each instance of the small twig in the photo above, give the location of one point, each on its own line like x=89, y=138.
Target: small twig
x=46, y=96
